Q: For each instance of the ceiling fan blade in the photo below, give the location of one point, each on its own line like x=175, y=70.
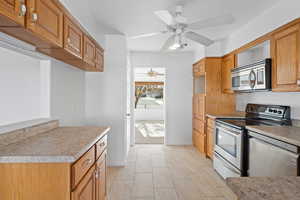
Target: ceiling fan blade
x=168, y=43
x=212, y=22
x=165, y=16
x=147, y=35
x=198, y=38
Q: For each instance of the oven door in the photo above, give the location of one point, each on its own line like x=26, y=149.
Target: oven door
x=228, y=144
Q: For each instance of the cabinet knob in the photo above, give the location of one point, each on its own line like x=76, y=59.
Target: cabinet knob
x=69, y=40
x=298, y=83
x=22, y=10
x=34, y=17
x=102, y=144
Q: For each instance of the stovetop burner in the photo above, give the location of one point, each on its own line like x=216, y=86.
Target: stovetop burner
x=243, y=122
x=257, y=115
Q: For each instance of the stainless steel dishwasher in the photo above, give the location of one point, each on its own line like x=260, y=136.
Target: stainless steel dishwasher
x=271, y=157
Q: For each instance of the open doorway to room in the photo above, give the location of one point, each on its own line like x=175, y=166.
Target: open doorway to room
x=149, y=105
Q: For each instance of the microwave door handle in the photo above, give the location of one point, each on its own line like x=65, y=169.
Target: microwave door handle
x=252, y=82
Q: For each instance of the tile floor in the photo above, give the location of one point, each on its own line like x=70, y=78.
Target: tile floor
x=158, y=172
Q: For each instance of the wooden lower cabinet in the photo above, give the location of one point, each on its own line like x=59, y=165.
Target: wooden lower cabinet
x=210, y=142
x=210, y=135
x=83, y=180
x=199, y=141
x=86, y=190
x=101, y=178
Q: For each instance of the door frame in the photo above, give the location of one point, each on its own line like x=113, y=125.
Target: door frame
x=132, y=138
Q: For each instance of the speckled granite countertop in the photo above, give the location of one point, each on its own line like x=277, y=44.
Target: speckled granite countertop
x=227, y=115
x=265, y=188
x=62, y=144
x=289, y=134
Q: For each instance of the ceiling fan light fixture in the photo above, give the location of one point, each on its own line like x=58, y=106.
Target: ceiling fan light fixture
x=175, y=46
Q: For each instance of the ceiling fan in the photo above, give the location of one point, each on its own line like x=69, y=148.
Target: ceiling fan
x=152, y=73
x=178, y=26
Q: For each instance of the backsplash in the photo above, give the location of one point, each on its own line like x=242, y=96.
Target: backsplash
x=287, y=98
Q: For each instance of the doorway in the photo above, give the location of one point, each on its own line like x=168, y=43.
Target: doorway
x=149, y=105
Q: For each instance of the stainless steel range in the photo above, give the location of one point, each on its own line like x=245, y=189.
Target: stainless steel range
x=230, y=156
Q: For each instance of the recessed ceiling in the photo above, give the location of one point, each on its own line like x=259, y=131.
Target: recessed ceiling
x=134, y=17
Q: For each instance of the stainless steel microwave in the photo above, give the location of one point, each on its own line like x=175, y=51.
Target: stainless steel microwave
x=254, y=77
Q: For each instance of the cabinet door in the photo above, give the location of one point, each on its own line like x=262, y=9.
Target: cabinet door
x=195, y=105
x=86, y=190
x=89, y=51
x=285, y=53
x=99, y=60
x=101, y=178
x=228, y=64
x=199, y=141
x=210, y=142
x=73, y=38
x=46, y=20
x=200, y=109
x=15, y=10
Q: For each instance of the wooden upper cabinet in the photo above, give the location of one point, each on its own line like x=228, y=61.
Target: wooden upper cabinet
x=89, y=51
x=73, y=38
x=285, y=52
x=15, y=10
x=199, y=68
x=228, y=63
x=99, y=60
x=86, y=190
x=45, y=19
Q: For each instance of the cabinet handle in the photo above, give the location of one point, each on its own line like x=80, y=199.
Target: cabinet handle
x=97, y=173
x=22, y=10
x=298, y=83
x=69, y=40
x=34, y=17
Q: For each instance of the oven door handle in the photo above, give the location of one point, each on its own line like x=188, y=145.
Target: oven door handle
x=226, y=165
x=231, y=132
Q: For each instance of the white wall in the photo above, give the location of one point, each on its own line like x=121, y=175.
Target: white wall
x=178, y=91
x=67, y=94
x=199, y=52
x=214, y=50
x=106, y=97
x=20, y=86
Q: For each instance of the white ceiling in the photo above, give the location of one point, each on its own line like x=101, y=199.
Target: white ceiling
x=134, y=17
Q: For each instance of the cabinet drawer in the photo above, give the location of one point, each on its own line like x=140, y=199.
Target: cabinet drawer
x=101, y=146
x=80, y=168
x=211, y=123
